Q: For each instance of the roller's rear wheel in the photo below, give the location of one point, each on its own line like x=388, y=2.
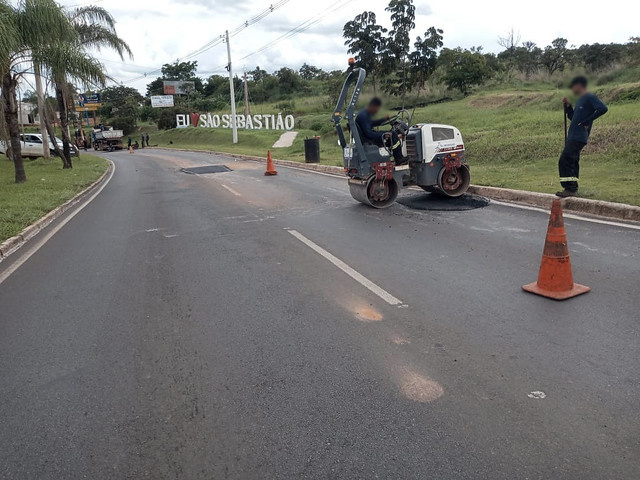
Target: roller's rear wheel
x=375, y=193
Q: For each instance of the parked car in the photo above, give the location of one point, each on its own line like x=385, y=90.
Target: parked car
x=32, y=146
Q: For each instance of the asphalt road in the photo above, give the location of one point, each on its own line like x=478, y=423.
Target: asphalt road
x=204, y=326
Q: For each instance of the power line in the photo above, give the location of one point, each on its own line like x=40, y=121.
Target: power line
x=219, y=40
x=311, y=21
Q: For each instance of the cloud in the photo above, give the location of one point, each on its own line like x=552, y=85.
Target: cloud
x=161, y=31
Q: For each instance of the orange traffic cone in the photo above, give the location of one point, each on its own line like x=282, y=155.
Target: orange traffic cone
x=271, y=169
x=556, y=279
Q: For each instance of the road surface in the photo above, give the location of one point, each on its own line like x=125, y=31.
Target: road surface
x=232, y=325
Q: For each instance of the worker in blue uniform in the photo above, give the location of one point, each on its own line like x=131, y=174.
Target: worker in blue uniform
x=588, y=108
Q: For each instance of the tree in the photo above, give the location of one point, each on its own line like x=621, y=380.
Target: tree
x=257, y=74
x=555, y=56
x=216, y=85
x=121, y=105
x=364, y=37
x=34, y=32
x=397, y=45
x=289, y=80
x=633, y=50
x=95, y=29
x=510, y=43
x=309, y=72
x=463, y=68
x=424, y=58
x=179, y=70
x=527, y=58
x=597, y=57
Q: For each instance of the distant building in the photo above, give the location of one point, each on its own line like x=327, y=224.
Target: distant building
x=26, y=114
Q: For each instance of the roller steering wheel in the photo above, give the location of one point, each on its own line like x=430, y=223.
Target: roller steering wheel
x=403, y=116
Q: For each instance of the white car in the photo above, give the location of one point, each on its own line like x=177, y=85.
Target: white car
x=32, y=146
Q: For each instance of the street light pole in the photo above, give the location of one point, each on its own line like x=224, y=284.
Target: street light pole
x=234, y=125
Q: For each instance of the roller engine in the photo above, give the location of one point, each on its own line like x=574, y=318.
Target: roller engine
x=434, y=154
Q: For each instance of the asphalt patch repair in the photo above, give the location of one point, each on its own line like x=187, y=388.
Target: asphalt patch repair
x=433, y=201
x=206, y=169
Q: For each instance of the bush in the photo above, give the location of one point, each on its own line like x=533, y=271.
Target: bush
x=286, y=106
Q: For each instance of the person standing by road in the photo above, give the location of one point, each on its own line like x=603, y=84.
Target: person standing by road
x=142, y=140
x=588, y=108
x=147, y=139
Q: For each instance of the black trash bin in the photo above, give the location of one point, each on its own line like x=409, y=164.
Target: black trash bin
x=312, y=150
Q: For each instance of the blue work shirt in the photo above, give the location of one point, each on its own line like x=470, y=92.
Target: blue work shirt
x=588, y=108
x=366, y=124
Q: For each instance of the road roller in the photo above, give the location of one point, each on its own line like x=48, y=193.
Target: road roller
x=434, y=154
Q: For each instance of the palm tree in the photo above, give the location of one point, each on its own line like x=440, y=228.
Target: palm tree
x=36, y=32
x=95, y=28
x=70, y=62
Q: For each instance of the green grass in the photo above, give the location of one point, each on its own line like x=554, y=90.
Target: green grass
x=513, y=138
x=47, y=187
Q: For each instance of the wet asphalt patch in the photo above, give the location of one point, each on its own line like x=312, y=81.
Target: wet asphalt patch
x=433, y=201
x=206, y=169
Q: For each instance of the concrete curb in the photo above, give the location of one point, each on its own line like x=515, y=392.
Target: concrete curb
x=584, y=206
x=12, y=244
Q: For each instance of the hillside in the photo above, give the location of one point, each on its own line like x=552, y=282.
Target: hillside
x=513, y=138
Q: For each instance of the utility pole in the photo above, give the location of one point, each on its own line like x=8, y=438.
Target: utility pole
x=246, y=96
x=234, y=125
x=41, y=113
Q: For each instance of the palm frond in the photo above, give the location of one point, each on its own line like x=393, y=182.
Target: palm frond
x=10, y=38
x=40, y=21
x=68, y=61
x=98, y=37
x=92, y=15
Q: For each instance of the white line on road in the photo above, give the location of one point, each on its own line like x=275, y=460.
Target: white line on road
x=568, y=215
x=45, y=238
x=358, y=277
x=231, y=190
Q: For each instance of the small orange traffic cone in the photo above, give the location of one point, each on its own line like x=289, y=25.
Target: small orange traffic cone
x=555, y=279
x=271, y=169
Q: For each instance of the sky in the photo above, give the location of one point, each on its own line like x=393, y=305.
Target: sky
x=162, y=31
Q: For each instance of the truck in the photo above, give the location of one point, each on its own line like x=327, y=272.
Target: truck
x=32, y=145
x=108, y=139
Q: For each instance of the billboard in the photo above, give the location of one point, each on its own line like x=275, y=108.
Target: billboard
x=89, y=99
x=179, y=87
x=161, y=101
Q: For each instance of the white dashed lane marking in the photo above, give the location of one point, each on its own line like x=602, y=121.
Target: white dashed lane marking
x=358, y=277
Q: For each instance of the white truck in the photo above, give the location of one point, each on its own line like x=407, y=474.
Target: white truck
x=32, y=146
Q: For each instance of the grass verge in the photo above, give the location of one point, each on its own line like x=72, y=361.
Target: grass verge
x=48, y=186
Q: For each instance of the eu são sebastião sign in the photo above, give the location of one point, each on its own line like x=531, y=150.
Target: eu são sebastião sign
x=248, y=122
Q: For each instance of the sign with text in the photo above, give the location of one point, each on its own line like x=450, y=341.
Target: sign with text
x=247, y=122
x=161, y=101
x=89, y=98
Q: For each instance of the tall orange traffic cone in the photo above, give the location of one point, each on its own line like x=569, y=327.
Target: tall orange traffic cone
x=555, y=279
x=271, y=169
